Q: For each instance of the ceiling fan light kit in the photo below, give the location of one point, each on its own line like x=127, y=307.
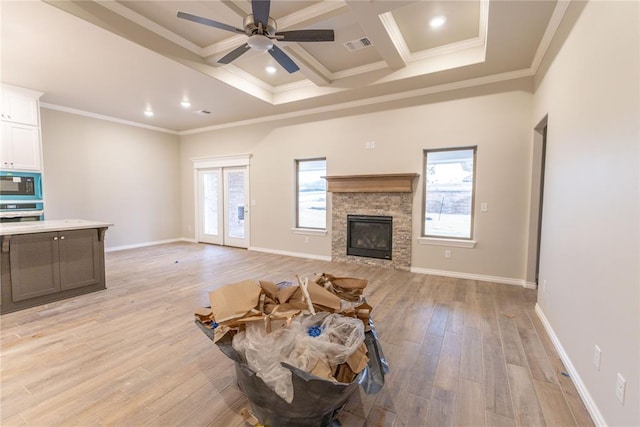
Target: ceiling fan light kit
x=260, y=42
x=262, y=30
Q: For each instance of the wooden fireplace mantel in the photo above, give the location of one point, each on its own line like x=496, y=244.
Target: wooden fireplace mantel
x=383, y=183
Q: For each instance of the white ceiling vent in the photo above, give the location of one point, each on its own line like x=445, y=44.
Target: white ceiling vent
x=203, y=112
x=357, y=44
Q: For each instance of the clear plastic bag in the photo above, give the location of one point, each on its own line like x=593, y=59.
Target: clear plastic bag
x=339, y=338
x=264, y=352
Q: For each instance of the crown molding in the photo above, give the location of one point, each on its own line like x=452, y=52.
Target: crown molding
x=549, y=33
x=148, y=24
x=105, y=118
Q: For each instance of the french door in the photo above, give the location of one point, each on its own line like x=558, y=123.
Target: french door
x=223, y=213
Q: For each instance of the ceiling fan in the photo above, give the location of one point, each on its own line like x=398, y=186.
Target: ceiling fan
x=262, y=31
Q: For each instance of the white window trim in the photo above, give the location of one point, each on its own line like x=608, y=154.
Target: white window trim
x=310, y=231
x=447, y=241
x=454, y=243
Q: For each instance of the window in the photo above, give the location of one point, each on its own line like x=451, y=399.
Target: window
x=449, y=192
x=311, y=194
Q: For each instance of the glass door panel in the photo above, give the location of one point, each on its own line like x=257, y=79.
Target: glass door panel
x=236, y=219
x=210, y=200
x=210, y=204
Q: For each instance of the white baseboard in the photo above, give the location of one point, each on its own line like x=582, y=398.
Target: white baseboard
x=145, y=244
x=597, y=417
x=293, y=254
x=471, y=276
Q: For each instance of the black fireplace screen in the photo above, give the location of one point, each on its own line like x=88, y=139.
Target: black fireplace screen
x=369, y=236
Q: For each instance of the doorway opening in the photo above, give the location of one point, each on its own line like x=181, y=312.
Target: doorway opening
x=222, y=210
x=537, y=199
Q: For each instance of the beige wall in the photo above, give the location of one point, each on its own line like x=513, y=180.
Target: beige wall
x=496, y=118
x=591, y=233
x=105, y=171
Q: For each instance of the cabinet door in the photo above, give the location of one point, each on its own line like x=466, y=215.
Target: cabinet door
x=35, y=268
x=80, y=261
x=20, y=147
x=18, y=108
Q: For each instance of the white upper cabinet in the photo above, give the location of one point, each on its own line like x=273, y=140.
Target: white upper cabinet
x=19, y=109
x=20, y=105
x=20, y=147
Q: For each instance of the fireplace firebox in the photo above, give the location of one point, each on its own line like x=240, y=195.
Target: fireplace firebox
x=369, y=236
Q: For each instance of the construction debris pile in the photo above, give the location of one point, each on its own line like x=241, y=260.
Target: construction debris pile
x=316, y=326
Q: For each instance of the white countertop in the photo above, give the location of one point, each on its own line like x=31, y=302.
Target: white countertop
x=12, y=228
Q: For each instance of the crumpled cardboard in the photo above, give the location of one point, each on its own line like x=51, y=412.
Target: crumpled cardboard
x=347, y=288
x=234, y=301
x=236, y=304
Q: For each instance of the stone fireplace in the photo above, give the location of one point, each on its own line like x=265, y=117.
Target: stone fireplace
x=382, y=196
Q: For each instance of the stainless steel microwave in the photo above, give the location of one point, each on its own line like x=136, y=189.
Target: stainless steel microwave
x=20, y=185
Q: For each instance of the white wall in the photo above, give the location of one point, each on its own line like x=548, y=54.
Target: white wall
x=105, y=171
x=496, y=118
x=591, y=232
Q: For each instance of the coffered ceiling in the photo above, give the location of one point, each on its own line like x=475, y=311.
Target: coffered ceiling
x=120, y=58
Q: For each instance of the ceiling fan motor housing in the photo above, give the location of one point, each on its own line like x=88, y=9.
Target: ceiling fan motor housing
x=250, y=27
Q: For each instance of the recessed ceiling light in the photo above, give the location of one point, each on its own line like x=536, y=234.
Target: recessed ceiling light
x=148, y=113
x=270, y=69
x=185, y=104
x=437, y=21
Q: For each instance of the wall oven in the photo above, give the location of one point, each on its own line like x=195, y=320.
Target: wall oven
x=21, y=212
x=21, y=197
x=15, y=186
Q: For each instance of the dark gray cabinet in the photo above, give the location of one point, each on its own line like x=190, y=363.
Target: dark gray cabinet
x=44, y=267
x=35, y=265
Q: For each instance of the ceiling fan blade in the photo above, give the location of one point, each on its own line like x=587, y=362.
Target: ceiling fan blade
x=260, y=10
x=283, y=59
x=234, y=54
x=306, y=36
x=209, y=22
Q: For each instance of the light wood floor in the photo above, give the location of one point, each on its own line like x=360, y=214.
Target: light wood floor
x=461, y=352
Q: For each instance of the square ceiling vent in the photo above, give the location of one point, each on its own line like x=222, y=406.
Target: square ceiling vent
x=357, y=44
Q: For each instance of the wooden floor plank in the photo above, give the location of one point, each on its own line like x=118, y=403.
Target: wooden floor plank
x=527, y=407
x=554, y=407
x=496, y=385
x=470, y=404
x=441, y=410
x=471, y=355
x=461, y=352
x=448, y=370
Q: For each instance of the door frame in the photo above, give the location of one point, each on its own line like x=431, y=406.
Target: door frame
x=220, y=162
x=536, y=202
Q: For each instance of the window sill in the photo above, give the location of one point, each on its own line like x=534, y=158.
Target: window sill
x=309, y=231
x=454, y=243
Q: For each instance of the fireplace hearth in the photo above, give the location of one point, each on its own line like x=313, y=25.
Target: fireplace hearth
x=370, y=236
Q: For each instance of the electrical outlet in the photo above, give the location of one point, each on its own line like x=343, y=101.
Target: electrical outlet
x=544, y=285
x=621, y=384
x=306, y=239
x=596, y=357
x=447, y=254
x=484, y=207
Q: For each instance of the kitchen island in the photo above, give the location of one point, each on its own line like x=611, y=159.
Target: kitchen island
x=45, y=261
